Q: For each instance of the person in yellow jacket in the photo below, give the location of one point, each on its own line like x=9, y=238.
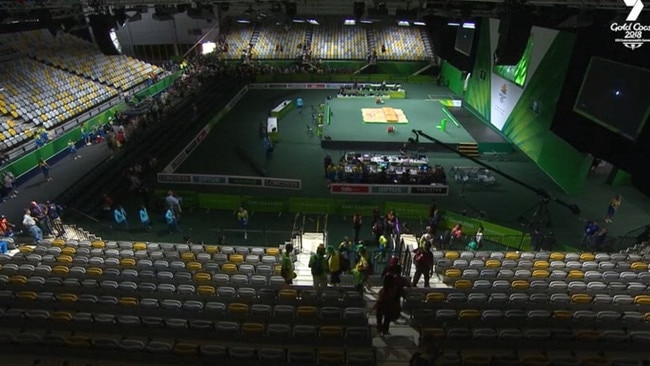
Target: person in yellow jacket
x=362, y=269
x=334, y=263
x=380, y=257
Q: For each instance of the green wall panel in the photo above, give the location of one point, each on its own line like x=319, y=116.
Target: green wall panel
x=529, y=130
x=477, y=97
x=408, y=210
x=449, y=73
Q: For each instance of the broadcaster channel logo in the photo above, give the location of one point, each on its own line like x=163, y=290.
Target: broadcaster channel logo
x=631, y=32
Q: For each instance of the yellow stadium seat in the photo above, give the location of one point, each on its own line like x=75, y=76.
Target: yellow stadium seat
x=436, y=297
x=452, y=254
x=229, y=268
x=272, y=251
x=139, y=246
x=236, y=258
x=563, y=315
x=61, y=270
x=211, y=249
x=27, y=295
x=129, y=301
x=331, y=331
x=492, y=263
x=186, y=349
x=128, y=262
x=512, y=255
x=238, y=308
x=69, y=251
x=477, y=360
x=435, y=333
x=541, y=265
x=202, y=277
x=639, y=266
x=194, y=266
x=253, y=329
x=17, y=280
x=78, y=341
x=541, y=273
x=188, y=257
x=646, y=317
x=520, y=285
x=26, y=249
x=587, y=335
x=205, y=290
x=61, y=316
x=642, y=299
x=67, y=297
x=98, y=244
x=557, y=256
x=58, y=243
x=331, y=356
x=307, y=312
x=463, y=284
x=288, y=294
x=277, y=269
x=587, y=257
x=95, y=271
x=581, y=298
x=575, y=274
x=453, y=272
x=469, y=314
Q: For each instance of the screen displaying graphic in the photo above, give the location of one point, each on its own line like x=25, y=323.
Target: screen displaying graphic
x=517, y=73
x=465, y=38
x=616, y=96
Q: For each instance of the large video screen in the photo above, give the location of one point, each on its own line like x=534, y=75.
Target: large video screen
x=517, y=73
x=616, y=96
x=465, y=38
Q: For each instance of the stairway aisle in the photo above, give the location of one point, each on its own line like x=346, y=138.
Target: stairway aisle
x=310, y=241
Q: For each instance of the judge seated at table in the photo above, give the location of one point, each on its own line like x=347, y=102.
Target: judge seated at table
x=378, y=100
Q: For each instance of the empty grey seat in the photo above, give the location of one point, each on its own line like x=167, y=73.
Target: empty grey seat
x=614, y=335
x=560, y=298
x=149, y=303
x=540, y=298
x=535, y=334
x=584, y=315
x=639, y=336
x=467, y=255
x=525, y=263
x=132, y=345
x=258, y=280
x=252, y=259
x=446, y=314
x=246, y=293
x=304, y=332
x=166, y=288
x=171, y=256
x=159, y=346
x=165, y=275
x=193, y=305
x=500, y=285
x=460, y=264
x=477, y=297
x=489, y=272
x=157, y=255
x=227, y=250
x=628, y=276
x=518, y=297
x=239, y=279
x=176, y=323
x=196, y=248
x=575, y=286
x=498, y=298
x=225, y=328
x=105, y=319
x=177, y=265
x=278, y=331
x=492, y=315
x=458, y=334
x=242, y=353
x=538, y=285
x=272, y=355
x=284, y=311
x=186, y=290
x=221, y=278
x=497, y=255
x=171, y=304
x=141, y=254
x=623, y=299
x=476, y=263
x=456, y=297
x=558, y=286
x=147, y=287
x=506, y=273
x=269, y=259
x=220, y=257
x=151, y=247
x=128, y=320
x=633, y=316
x=215, y=307
x=203, y=257
x=263, y=310
x=247, y=269
x=522, y=273
x=201, y=324
x=130, y=273
x=112, y=261
x=470, y=273
x=636, y=287
x=214, y=351
x=482, y=285
x=508, y=263
x=145, y=263
x=484, y=334
x=608, y=315
x=167, y=247
x=301, y=356
x=602, y=299
x=226, y=291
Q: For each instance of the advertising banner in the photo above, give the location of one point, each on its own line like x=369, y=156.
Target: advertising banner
x=389, y=189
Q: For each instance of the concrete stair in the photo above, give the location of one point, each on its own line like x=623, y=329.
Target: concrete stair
x=469, y=149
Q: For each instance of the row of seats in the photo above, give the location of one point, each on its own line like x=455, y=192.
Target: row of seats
x=543, y=256
x=562, y=285
x=238, y=39
x=401, y=43
x=452, y=274
x=183, y=348
x=166, y=247
x=460, y=264
x=197, y=308
x=339, y=42
x=70, y=53
x=605, y=319
x=436, y=298
x=222, y=329
x=55, y=254
x=610, y=339
x=271, y=36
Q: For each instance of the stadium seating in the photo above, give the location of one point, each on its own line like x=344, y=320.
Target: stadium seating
x=130, y=296
x=339, y=42
x=402, y=43
x=77, y=56
x=238, y=40
x=290, y=38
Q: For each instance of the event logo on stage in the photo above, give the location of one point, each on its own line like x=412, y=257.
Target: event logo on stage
x=503, y=93
x=631, y=30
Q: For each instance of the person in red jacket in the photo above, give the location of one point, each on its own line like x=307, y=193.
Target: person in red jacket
x=423, y=261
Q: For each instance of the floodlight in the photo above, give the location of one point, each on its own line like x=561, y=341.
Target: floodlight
x=349, y=22
x=403, y=23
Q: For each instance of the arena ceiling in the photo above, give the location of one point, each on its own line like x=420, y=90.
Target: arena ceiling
x=63, y=8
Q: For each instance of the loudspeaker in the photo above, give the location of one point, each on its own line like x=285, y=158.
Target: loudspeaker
x=514, y=31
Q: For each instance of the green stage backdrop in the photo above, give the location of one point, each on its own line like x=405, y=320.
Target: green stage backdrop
x=527, y=125
x=450, y=74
